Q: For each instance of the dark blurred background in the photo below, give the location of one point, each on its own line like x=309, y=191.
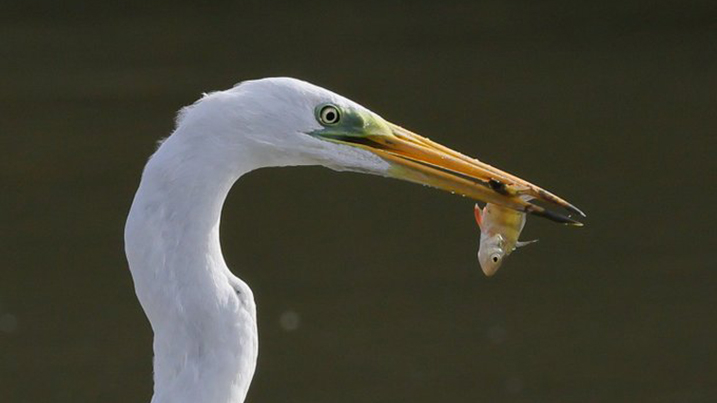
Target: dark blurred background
x=368, y=289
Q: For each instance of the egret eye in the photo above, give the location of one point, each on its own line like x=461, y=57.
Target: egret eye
x=329, y=115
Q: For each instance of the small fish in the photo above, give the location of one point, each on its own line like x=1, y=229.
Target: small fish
x=500, y=228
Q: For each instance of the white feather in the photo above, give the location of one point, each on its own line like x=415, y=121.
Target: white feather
x=204, y=317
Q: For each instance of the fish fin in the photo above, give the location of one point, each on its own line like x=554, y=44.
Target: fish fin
x=479, y=215
x=523, y=243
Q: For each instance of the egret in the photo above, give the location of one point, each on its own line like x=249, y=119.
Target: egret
x=203, y=316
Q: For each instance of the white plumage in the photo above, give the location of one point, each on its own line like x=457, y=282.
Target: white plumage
x=204, y=317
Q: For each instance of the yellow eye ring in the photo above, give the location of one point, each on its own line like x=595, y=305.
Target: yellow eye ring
x=329, y=115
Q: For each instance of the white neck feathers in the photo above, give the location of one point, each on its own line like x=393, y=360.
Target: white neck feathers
x=203, y=317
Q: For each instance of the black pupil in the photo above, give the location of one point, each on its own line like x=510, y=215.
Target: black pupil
x=330, y=116
x=495, y=259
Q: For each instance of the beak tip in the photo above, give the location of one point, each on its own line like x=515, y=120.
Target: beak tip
x=576, y=210
x=556, y=217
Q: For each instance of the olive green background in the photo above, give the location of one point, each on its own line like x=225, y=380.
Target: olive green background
x=368, y=289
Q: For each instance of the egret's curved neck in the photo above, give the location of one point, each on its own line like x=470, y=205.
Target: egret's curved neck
x=203, y=317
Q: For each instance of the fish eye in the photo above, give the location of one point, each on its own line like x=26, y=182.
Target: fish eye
x=495, y=258
x=329, y=115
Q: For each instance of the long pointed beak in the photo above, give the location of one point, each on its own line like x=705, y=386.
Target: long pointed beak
x=418, y=159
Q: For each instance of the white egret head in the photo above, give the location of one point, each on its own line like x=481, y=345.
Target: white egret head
x=285, y=122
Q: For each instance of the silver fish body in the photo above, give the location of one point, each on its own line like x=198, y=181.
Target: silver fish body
x=500, y=229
